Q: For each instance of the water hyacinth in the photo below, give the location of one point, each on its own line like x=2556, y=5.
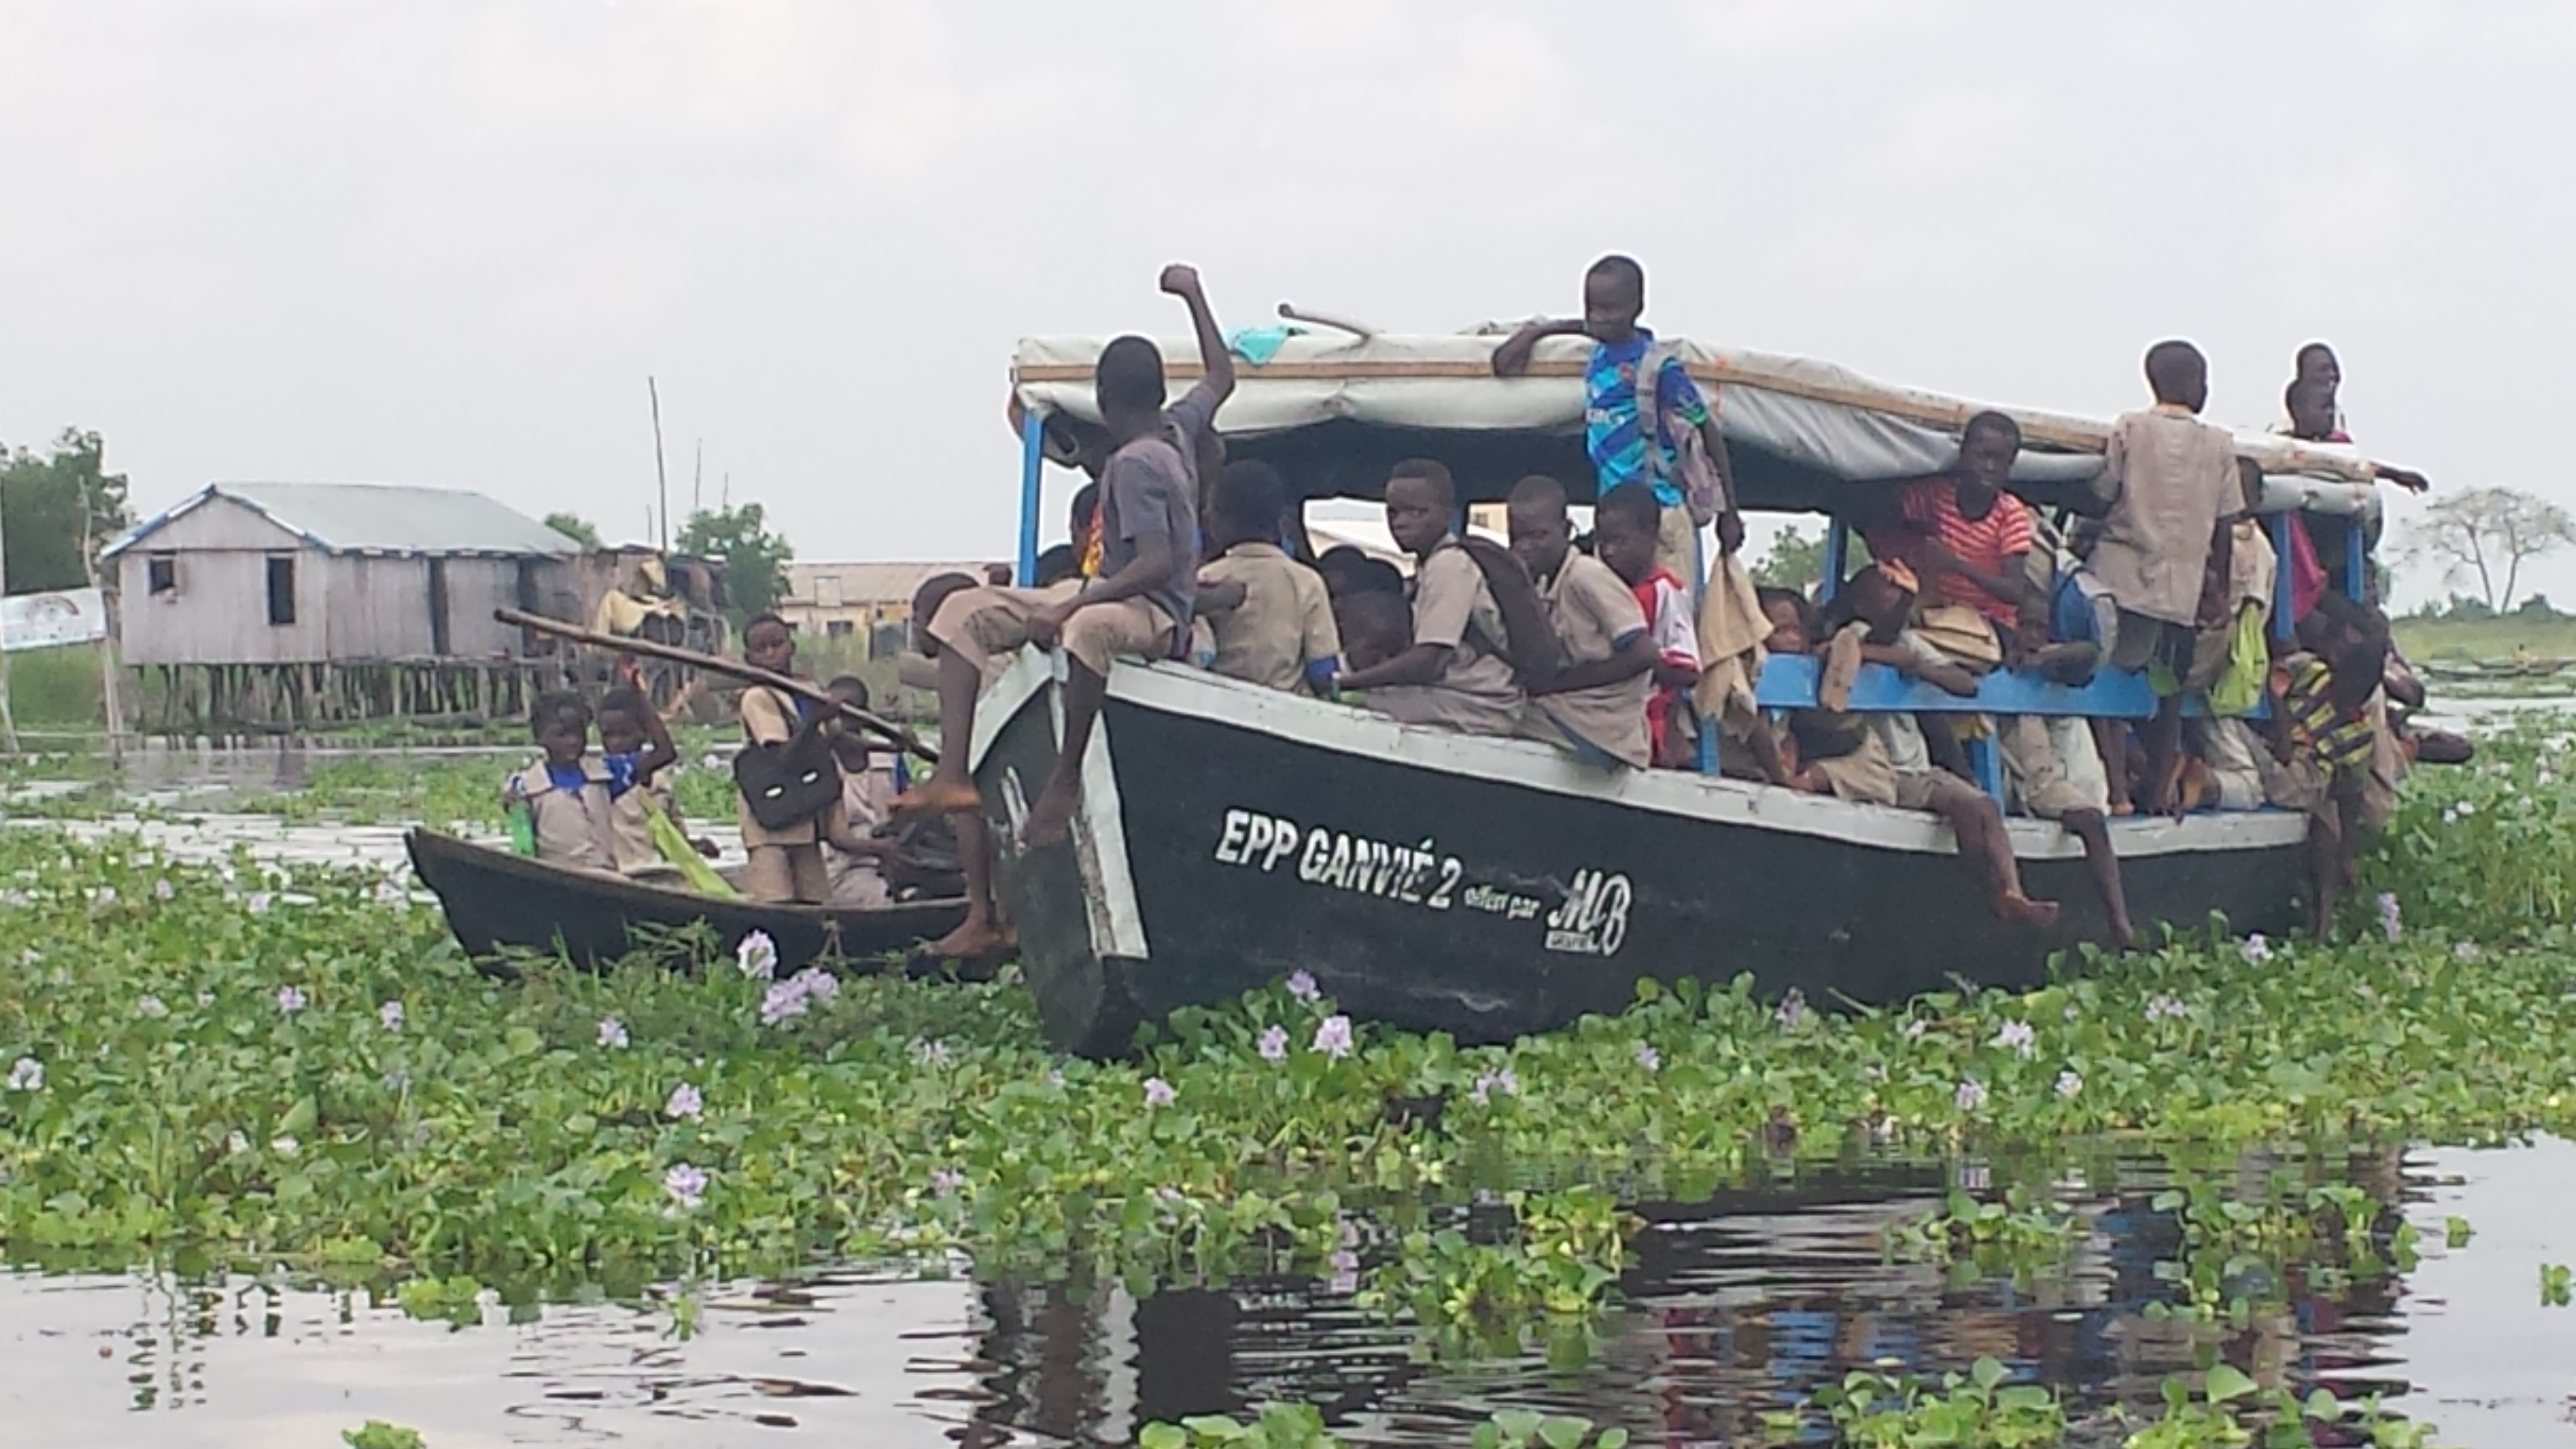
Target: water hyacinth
x=1649, y=1058
x=757, y=956
x=27, y=1075
x=686, y=1185
x=1793, y=1009
x=1159, y=1093
x=391, y=1014
x=162, y=890
x=2161, y=1007
x=1970, y=1096
x=1273, y=1045
x=935, y=1054
x=1333, y=1036
x=2255, y=949
x=150, y=1005
x=1914, y=1029
x=1301, y=985
x=290, y=999
x=2069, y=1083
x=258, y=902
x=1497, y=1079
x=2390, y=923
x=612, y=1032
x=686, y=1104
x=947, y=1181
x=2018, y=1036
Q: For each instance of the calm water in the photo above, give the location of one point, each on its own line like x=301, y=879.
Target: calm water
x=1733, y=1306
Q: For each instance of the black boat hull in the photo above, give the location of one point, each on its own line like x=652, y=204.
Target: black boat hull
x=495, y=900
x=1491, y=888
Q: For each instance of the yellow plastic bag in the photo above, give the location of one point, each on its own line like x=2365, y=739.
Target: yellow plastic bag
x=675, y=848
x=2240, y=685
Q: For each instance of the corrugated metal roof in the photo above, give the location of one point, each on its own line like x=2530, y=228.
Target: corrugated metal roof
x=870, y=583
x=377, y=518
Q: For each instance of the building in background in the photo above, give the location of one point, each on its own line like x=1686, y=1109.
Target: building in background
x=866, y=601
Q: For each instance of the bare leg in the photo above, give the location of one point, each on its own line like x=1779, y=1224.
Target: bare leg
x=2089, y=826
x=949, y=788
x=1050, y=819
x=1986, y=848
x=2111, y=738
x=2163, y=739
x=980, y=934
x=1776, y=765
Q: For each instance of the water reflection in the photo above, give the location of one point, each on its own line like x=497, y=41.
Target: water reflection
x=1737, y=1304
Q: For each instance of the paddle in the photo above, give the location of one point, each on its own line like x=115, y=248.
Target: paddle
x=730, y=668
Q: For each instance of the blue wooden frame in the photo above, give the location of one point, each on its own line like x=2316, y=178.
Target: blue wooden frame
x=1032, y=469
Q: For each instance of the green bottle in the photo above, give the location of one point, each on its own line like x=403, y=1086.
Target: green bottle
x=523, y=826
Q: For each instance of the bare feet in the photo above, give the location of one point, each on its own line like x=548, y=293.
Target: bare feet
x=2021, y=910
x=973, y=939
x=2124, y=937
x=1050, y=819
x=938, y=796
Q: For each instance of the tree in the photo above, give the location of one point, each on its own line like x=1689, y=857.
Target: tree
x=575, y=527
x=52, y=505
x=755, y=560
x=1794, y=562
x=2486, y=535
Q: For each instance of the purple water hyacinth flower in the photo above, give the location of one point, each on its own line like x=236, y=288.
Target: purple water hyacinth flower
x=2164, y=1006
x=2069, y=1082
x=1346, y=1272
x=1333, y=1036
x=2018, y=1035
x=1971, y=1095
x=290, y=999
x=2255, y=949
x=149, y=1005
x=946, y=1181
x=687, y=1186
x=612, y=1032
x=757, y=956
x=1497, y=1079
x=1301, y=985
x=1159, y=1093
x=686, y=1104
x=2466, y=950
x=783, y=1001
x=2390, y=922
x=1649, y=1058
x=1274, y=1044
x=162, y=890
x=258, y=902
x=27, y=1075
x=935, y=1053
x=391, y=1014
x=1913, y=1029
x=1793, y=1010
x=819, y=984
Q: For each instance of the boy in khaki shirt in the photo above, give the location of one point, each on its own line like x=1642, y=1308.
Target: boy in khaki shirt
x=1597, y=704
x=785, y=864
x=1453, y=675
x=566, y=792
x=1267, y=617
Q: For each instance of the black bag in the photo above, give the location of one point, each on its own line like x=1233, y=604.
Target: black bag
x=787, y=785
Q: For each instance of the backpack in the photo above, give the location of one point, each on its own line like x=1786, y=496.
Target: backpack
x=1530, y=647
x=1690, y=468
x=788, y=784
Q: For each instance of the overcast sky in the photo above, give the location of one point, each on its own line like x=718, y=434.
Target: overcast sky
x=445, y=241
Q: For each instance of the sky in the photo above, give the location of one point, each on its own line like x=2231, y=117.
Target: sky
x=445, y=242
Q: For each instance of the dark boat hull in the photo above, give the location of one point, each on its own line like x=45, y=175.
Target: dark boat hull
x=1490, y=888
x=496, y=900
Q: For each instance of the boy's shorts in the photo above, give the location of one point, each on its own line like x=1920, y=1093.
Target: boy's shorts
x=2049, y=785
x=989, y=625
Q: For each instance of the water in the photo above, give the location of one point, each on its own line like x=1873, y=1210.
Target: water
x=1732, y=1308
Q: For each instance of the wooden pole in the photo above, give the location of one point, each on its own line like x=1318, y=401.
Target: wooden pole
x=8, y=720
x=730, y=668
x=660, y=477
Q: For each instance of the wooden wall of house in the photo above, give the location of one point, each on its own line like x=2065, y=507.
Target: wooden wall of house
x=349, y=609
x=218, y=613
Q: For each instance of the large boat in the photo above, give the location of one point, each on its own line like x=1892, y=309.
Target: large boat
x=1229, y=835
x=496, y=901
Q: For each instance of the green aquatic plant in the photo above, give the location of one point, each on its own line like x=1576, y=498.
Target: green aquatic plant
x=377, y=1434
x=1979, y=1409
x=2556, y=1281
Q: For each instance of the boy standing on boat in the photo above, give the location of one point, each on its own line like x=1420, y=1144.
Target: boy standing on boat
x=1597, y=702
x=1139, y=604
x=785, y=861
x=2173, y=490
x=1268, y=617
x=1455, y=674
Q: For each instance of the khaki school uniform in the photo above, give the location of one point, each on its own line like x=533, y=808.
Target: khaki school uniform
x=991, y=626
x=572, y=827
x=1593, y=610
x=1477, y=693
x=1284, y=623
x=630, y=833
x=784, y=864
x=867, y=800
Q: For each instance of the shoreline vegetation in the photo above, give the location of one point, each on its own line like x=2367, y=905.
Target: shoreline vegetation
x=214, y=1068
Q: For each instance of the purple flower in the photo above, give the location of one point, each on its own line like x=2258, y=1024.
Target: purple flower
x=2069, y=1082
x=259, y=902
x=1649, y=1058
x=612, y=1032
x=757, y=956
x=1346, y=1272
x=2256, y=950
x=687, y=1186
x=946, y=1181
x=150, y=1006
x=391, y=1014
x=1914, y=1028
x=290, y=1000
x=1159, y=1093
x=2466, y=950
x=162, y=890
x=2389, y=921
x=1498, y=1079
x=935, y=1053
x=783, y=1000
x=821, y=985
x=1274, y=1044
x=1971, y=1095
x=1793, y=1010
x=27, y=1075
x=685, y=1103
x=2017, y=1035
x=1333, y=1036
x=2163, y=1006
x=1301, y=984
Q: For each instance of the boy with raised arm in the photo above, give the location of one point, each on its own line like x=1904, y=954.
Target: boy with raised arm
x=1631, y=441
x=1140, y=603
x=1597, y=703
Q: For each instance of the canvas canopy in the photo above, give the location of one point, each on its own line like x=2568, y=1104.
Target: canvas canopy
x=1333, y=412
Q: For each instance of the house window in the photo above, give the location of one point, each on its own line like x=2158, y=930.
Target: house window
x=162, y=570
x=837, y=628
x=281, y=588
x=827, y=590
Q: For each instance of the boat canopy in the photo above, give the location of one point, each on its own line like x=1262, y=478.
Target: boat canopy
x=1333, y=413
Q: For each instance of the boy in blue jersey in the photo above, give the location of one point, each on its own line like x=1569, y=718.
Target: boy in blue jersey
x=1626, y=447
